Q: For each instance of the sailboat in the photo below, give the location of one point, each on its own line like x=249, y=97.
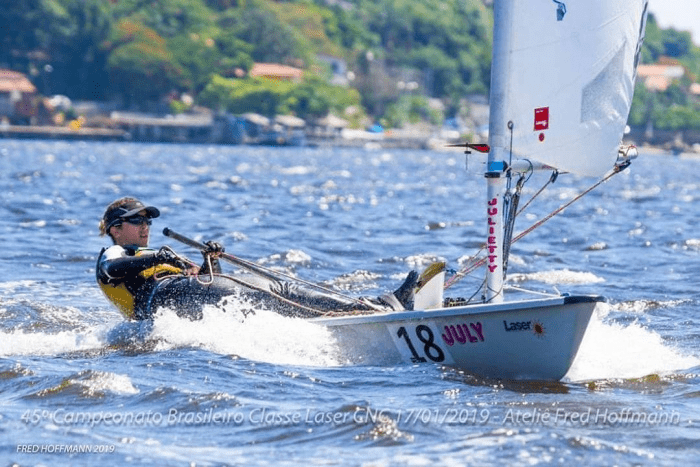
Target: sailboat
x=562, y=82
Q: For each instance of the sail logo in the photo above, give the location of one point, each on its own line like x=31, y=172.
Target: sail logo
x=541, y=121
x=541, y=118
x=534, y=326
x=561, y=10
x=517, y=326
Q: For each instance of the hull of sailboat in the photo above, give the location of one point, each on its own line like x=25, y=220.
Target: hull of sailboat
x=525, y=340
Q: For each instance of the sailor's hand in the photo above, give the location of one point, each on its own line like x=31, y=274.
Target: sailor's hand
x=213, y=248
x=166, y=255
x=191, y=271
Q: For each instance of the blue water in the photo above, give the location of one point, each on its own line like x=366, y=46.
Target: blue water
x=271, y=390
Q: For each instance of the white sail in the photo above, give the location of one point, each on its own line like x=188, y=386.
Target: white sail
x=568, y=78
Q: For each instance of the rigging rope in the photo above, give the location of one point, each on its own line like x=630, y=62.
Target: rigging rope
x=511, y=214
x=615, y=171
x=476, y=262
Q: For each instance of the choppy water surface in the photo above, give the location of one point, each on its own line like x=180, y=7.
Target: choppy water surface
x=271, y=390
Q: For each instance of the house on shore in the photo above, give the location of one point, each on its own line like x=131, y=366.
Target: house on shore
x=276, y=71
x=659, y=77
x=17, y=98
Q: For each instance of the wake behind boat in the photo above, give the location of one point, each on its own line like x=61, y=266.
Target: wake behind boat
x=562, y=82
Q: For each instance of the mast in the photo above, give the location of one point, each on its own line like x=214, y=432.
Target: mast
x=562, y=83
x=499, y=143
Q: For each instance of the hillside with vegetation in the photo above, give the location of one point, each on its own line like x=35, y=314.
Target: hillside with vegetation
x=397, y=56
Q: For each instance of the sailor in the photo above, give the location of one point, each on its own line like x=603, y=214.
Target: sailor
x=138, y=280
x=128, y=271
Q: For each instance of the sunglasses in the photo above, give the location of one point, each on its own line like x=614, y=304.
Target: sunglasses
x=138, y=220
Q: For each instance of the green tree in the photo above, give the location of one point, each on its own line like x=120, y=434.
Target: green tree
x=77, y=31
x=58, y=43
x=411, y=109
x=349, y=31
x=141, y=66
x=644, y=105
x=315, y=98
x=448, y=39
x=312, y=98
x=271, y=40
x=239, y=96
x=677, y=43
x=653, y=47
x=198, y=57
x=678, y=117
x=169, y=18
x=141, y=50
x=21, y=30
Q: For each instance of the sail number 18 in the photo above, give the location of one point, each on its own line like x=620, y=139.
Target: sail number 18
x=427, y=348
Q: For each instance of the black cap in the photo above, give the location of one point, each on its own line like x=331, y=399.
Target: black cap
x=130, y=208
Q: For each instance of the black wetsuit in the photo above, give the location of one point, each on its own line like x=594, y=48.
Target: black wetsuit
x=138, y=282
x=128, y=276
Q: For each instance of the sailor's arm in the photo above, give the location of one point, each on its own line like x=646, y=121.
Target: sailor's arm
x=128, y=265
x=117, y=267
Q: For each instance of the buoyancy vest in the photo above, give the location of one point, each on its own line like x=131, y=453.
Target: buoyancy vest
x=129, y=284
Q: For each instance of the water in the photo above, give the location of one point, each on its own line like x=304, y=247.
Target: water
x=271, y=390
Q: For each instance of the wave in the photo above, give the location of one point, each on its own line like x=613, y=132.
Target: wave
x=612, y=350
x=235, y=328
x=563, y=276
x=241, y=329
x=89, y=384
x=19, y=342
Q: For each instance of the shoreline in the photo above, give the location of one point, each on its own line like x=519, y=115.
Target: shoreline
x=392, y=139
x=60, y=132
